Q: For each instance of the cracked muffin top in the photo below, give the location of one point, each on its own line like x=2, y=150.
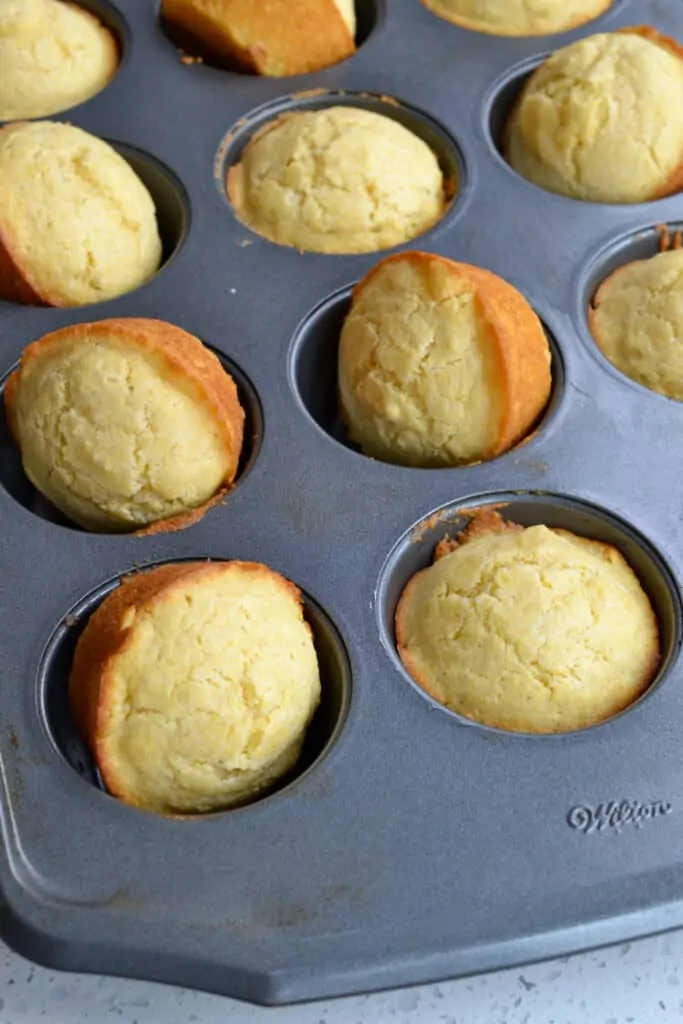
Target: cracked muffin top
x=602, y=119
x=77, y=225
x=636, y=318
x=193, y=685
x=337, y=180
x=126, y=423
x=440, y=363
x=53, y=55
x=528, y=629
x=518, y=17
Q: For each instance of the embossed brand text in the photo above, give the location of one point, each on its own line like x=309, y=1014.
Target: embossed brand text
x=614, y=815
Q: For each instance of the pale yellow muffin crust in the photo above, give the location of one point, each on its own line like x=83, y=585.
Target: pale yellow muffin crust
x=531, y=630
x=53, y=56
x=337, y=180
x=440, y=363
x=637, y=321
x=125, y=423
x=278, y=38
x=194, y=684
x=518, y=17
x=602, y=119
x=347, y=9
x=77, y=225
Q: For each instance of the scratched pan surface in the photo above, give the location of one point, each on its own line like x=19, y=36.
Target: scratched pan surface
x=410, y=845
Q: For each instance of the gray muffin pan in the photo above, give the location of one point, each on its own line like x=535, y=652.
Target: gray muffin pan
x=410, y=845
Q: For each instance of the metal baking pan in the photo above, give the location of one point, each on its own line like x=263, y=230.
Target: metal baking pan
x=411, y=845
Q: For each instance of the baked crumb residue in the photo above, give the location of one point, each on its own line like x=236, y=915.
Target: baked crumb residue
x=668, y=240
x=483, y=522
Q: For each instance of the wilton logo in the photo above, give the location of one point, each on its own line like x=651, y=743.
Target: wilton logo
x=614, y=815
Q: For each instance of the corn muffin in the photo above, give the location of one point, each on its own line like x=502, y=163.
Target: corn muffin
x=277, y=39
x=440, y=363
x=193, y=685
x=602, y=119
x=76, y=223
x=637, y=321
x=53, y=55
x=125, y=423
x=531, y=630
x=337, y=180
x=518, y=17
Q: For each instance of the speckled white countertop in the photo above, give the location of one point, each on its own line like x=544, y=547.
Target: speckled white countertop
x=636, y=983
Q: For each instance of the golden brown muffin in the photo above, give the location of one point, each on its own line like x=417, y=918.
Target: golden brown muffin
x=518, y=17
x=637, y=321
x=440, y=363
x=277, y=39
x=337, y=180
x=76, y=223
x=53, y=55
x=126, y=423
x=193, y=685
x=531, y=630
x=602, y=119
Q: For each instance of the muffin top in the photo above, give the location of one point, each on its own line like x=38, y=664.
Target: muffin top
x=337, y=180
x=531, y=630
x=637, y=320
x=602, y=119
x=53, y=55
x=124, y=423
x=193, y=685
x=518, y=17
x=440, y=363
x=76, y=223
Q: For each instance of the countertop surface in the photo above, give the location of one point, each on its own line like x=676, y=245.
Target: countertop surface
x=635, y=983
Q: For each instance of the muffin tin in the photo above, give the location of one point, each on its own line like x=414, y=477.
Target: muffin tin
x=411, y=845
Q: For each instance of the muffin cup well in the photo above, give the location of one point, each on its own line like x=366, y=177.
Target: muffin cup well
x=500, y=102
x=112, y=18
x=170, y=198
x=313, y=373
x=17, y=484
x=172, y=208
x=415, y=550
x=57, y=720
x=499, y=106
x=369, y=14
x=626, y=248
x=433, y=134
